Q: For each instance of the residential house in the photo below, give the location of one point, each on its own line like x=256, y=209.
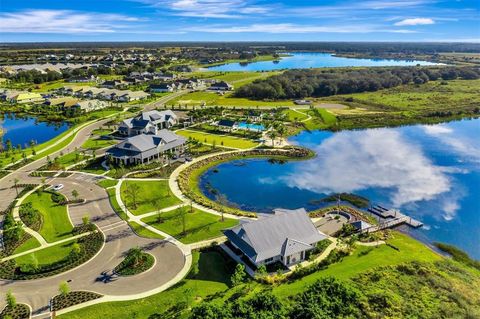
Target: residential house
x=90, y=105
x=285, y=237
x=113, y=84
x=26, y=97
x=132, y=96
x=162, y=88
x=148, y=123
x=221, y=86
x=82, y=79
x=144, y=148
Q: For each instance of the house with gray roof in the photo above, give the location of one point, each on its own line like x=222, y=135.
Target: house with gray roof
x=285, y=237
x=144, y=148
x=148, y=123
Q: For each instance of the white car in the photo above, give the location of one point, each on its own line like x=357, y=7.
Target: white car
x=57, y=187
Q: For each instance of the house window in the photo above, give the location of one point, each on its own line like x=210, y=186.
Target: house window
x=268, y=260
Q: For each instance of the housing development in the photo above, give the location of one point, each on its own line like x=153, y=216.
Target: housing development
x=239, y=163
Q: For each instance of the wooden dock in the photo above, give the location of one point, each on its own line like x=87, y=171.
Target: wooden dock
x=392, y=218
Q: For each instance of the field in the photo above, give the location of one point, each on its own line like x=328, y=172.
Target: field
x=152, y=196
x=98, y=143
x=56, y=223
x=31, y=243
x=432, y=95
x=143, y=232
x=198, y=225
x=213, y=99
x=209, y=275
x=220, y=140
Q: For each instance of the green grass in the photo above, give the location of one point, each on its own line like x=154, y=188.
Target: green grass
x=152, y=196
x=199, y=225
x=208, y=275
x=49, y=86
x=321, y=119
x=212, y=99
x=97, y=143
x=71, y=158
x=31, y=243
x=409, y=250
x=144, y=232
x=105, y=183
x=48, y=255
x=115, y=205
x=431, y=95
x=295, y=116
x=228, y=141
x=56, y=224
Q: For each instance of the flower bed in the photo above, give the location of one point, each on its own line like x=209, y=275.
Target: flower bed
x=89, y=246
x=73, y=298
x=188, y=178
x=21, y=311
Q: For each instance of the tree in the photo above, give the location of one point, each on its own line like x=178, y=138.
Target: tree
x=223, y=201
x=239, y=275
x=10, y=300
x=272, y=134
x=134, y=255
x=181, y=215
x=86, y=220
x=132, y=192
x=64, y=288
x=75, y=194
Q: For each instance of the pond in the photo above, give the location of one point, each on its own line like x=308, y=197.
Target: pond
x=20, y=130
x=430, y=172
x=303, y=60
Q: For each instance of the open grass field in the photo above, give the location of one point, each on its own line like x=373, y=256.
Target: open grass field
x=198, y=225
x=358, y=262
x=432, y=95
x=208, y=275
x=98, y=143
x=105, y=183
x=213, y=99
x=296, y=116
x=220, y=140
x=49, y=86
x=152, y=196
x=48, y=255
x=56, y=223
x=116, y=207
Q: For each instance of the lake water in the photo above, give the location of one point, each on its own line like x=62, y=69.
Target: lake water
x=21, y=130
x=304, y=60
x=431, y=173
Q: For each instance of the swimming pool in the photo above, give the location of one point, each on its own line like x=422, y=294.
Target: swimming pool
x=250, y=126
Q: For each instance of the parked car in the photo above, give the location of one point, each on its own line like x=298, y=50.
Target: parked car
x=57, y=187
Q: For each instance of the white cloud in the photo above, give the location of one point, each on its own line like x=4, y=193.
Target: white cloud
x=353, y=161
x=415, y=21
x=62, y=21
x=291, y=28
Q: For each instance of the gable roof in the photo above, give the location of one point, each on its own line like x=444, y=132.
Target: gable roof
x=285, y=233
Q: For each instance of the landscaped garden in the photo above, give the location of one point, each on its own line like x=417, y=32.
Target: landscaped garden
x=189, y=225
x=55, y=224
x=136, y=261
x=142, y=197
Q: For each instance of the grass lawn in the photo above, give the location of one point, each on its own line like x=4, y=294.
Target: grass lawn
x=321, y=119
x=295, y=116
x=212, y=99
x=71, y=158
x=143, y=232
x=199, y=225
x=409, y=250
x=49, y=86
x=56, y=224
x=152, y=196
x=228, y=141
x=48, y=255
x=105, y=183
x=98, y=143
x=208, y=275
x=115, y=205
x=31, y=243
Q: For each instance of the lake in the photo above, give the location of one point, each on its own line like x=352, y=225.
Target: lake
x=303, y=60
x=22, y=129
x=430, y=172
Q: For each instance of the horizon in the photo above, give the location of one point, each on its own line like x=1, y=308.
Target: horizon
x=239, y=21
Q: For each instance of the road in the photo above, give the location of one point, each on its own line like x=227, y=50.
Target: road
x=170, y=260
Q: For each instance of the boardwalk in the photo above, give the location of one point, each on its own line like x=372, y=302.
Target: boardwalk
x=392, y=218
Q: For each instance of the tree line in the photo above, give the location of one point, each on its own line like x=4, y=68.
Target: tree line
x=295, y=84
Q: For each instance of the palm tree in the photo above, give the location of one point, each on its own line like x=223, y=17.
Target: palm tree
x=134, y=256
x=15, y=183
x=75, y=194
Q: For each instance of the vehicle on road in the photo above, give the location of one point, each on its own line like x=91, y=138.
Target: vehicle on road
x=57, y=187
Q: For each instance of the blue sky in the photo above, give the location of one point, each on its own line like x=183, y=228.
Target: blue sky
x=239, y=20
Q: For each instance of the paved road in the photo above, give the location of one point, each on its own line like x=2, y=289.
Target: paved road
x=119, y=238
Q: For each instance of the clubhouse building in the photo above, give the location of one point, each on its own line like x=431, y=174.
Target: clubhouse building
x=150, y=122
x=284, y=237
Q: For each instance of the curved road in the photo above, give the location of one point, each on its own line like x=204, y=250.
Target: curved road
x=170, y=260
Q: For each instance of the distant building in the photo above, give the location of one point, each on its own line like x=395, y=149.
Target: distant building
x=113, y=84
x=82, y=79
x=226, y=124
x=221, y=86
x=144, y=148
x=285, y=237
x=148, y=123
x=26, y=97
x=162, y=88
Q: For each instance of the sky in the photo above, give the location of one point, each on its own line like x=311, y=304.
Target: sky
x=239, y=20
